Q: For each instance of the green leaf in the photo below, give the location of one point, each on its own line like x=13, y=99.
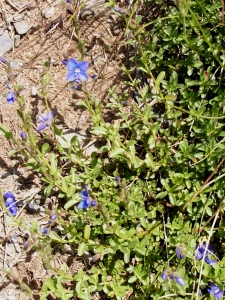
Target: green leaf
x=54, y=236
x=50, y=284
x=160, y=78
x=81, y=249
x=70, y=203
x=162, y=195
x=171, y=97
x=45, y=148
x=87, y=232
x=116, y=152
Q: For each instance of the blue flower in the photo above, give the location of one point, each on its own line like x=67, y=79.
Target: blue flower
x=45, y=120
x=4, y=61
x=179, y=253
x=10, y=203
x=23, y=135
x=180, y=280
x=119, y=10
x=217, y=293
x=45, y=231
x=174, y=276
x=10, y=97
x=200, y=253
x=86, y=200
x=101, y=33
x=53, y=217
x=77, y=70
x=93, y=76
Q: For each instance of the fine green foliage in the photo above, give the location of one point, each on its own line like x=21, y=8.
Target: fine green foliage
x=158, y=178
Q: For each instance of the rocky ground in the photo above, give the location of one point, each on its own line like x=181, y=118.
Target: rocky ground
x=32, y=32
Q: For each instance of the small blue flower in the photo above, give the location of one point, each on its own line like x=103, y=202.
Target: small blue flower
x=53, y=217
x=45, y=231
x=10, y=97
x=45, y=120
x=68, y=1
x=217, y=293
x=4, y=61
x=10, y=203
x=101, y=33
x=23, y=135
x=77, y=70
x=164, y=276
x=200, y=253
x=179, y=253
x=119, y=10
x=65, y=61
x=180, y=280
x=210, y=261
x=86, y=201
x=93, y=203
x=93, y=76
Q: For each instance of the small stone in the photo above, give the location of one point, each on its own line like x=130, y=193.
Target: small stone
x=116, y=30
x=48, y=13
x=6, y=44
x=68, y=249
x=10, y=249
x=16, y=40
x=33, y=207
x=18, y=17
x=34, y=93
x=17, y=247
x=9, y=85
x=14, y=65
x=21, y=27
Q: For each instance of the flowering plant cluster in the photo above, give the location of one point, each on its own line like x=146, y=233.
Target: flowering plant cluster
x=158, y=175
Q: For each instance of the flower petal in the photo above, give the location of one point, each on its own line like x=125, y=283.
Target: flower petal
x=9, y=195
x=42, y=126
x=72, y=64
x=71, y=76
x=83, y=66
x=83, y=204
x=82, y=76
x=43, y=118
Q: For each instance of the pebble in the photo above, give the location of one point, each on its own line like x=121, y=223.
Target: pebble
x=32, y=206
x=17, y=247
x=116, y=30
x=34, y=93
x=10, y=249
x=18, y=17
x=9, y=85
x=14, y=65
x=48, y=13
x=16, y=40
x=6, y=44
x=21, y=27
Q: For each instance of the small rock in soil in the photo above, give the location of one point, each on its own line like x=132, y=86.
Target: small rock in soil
x=34, y=91
x=49, y=12
x=6, y=44
x=21, y=27
x=32, y=206
x=10, y=249
x=14, y=65
x=16, y=40
x=18, y=17
x=17, y=247
x=116, y=30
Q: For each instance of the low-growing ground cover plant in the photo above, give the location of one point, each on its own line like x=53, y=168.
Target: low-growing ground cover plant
x=148, y=205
